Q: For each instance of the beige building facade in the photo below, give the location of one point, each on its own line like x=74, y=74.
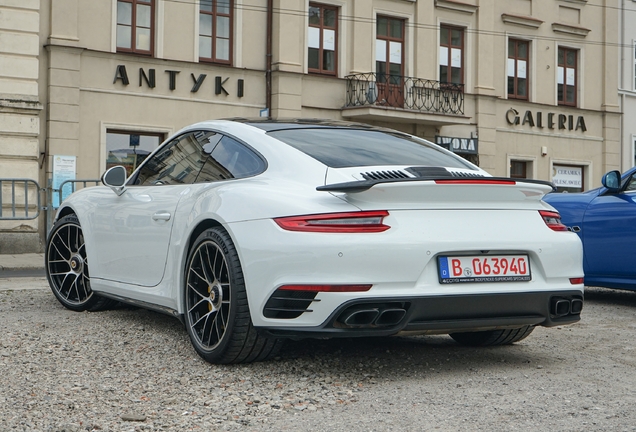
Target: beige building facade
x=627, y=82
x=523, y=88
x=20, y=109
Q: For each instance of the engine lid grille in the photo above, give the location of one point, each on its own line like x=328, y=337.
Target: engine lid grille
x=384, y=175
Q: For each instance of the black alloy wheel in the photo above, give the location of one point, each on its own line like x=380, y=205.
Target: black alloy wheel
x=217, y=314
x=66, y=266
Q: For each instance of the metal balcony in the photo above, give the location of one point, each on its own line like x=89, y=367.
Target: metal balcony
x=408, y=93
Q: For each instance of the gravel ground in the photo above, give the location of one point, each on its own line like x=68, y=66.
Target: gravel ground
x=133, y=370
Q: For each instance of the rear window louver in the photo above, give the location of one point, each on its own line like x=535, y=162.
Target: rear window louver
x=384, y=175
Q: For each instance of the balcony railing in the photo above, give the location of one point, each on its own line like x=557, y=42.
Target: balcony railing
x=373, y=89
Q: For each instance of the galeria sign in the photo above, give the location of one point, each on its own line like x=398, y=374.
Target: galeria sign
x=550, y=121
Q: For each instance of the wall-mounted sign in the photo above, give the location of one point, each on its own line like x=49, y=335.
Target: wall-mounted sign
x=458, y=145
x=149, y=78
x=550, y=120
x=63, y=170
x=567, y=176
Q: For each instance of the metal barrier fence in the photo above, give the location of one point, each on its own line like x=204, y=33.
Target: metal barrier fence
x=73, y=183
x=19, y=199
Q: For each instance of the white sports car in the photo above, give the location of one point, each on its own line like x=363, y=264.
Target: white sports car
x=253, y=231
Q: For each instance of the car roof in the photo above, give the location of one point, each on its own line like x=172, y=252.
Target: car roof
x=269, y=125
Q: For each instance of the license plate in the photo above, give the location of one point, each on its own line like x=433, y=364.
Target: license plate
x=484, y=268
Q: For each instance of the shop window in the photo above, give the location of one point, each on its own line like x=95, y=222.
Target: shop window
x=215, y=30
x=322, y=40
x=135, y=26
x=451, y=55
x=568, y=178
x=129, y=149
x=567, y=79
x=389, y=60
x=518, y=169
x=518, y=69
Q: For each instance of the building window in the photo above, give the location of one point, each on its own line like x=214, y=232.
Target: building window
x=634, y=149
x=567, y=78
x=129, y=148
x=389, y=60
x=322, y=39
x=518, y=69
x=634, y=66
x=518, y=169
x=568, y=178
x=135, y=26
x=451, y=55
x=215, y=31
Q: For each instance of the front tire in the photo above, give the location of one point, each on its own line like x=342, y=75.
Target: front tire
x=66, y=266
x=217, y=314
x=492, y=337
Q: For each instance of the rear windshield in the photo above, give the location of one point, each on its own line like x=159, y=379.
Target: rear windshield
x=342, y=148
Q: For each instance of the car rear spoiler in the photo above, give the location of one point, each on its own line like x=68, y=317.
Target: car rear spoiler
x=363, y=185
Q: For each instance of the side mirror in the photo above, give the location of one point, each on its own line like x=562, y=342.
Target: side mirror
x=612, y=181
x=115, y=178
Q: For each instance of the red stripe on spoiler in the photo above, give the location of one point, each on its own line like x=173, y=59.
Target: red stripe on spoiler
x=476, y=181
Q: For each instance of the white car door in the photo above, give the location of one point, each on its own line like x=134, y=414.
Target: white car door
x=132, y=233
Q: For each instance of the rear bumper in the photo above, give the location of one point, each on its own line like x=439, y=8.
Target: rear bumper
x=442, y=314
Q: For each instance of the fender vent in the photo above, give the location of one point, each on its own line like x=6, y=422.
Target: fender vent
x=384, y=175
x=285, y=304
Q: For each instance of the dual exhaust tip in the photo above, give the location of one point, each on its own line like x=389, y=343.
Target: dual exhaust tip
x=372, y=317
x=563, y=307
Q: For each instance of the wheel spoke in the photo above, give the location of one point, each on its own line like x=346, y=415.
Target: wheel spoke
x=193, y=288
x=57, y=234
x=198, y=275
x=205, y=316
x=199, y=303
x=209, y=277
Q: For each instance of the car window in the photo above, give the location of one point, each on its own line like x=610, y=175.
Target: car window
x=341, y=148
x=179, y=161
x=230, y=159
x=631, y=184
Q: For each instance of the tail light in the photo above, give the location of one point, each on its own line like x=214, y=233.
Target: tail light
x=326, y=288
x=353, y=222
x=553, y=220
x=477, y=181
x=576, y=281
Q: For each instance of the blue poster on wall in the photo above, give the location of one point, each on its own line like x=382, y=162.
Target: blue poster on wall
x=63, y=170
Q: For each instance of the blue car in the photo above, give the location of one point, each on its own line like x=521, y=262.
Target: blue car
x=605, y=220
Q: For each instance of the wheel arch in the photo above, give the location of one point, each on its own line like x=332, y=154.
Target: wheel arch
x=65, y=211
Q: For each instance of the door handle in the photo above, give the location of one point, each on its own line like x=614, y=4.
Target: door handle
x=161, y=215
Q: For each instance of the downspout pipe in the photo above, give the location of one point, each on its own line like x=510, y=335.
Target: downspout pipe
x=268, y=58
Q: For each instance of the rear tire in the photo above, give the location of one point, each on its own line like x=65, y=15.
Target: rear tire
x=66, y=266
x=492, y=337
x=217, y=314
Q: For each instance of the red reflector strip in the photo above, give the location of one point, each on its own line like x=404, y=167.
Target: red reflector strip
x=553, y=220
x=351, y=222
x=326, y=288
x=576, y=281
x=476, y=181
